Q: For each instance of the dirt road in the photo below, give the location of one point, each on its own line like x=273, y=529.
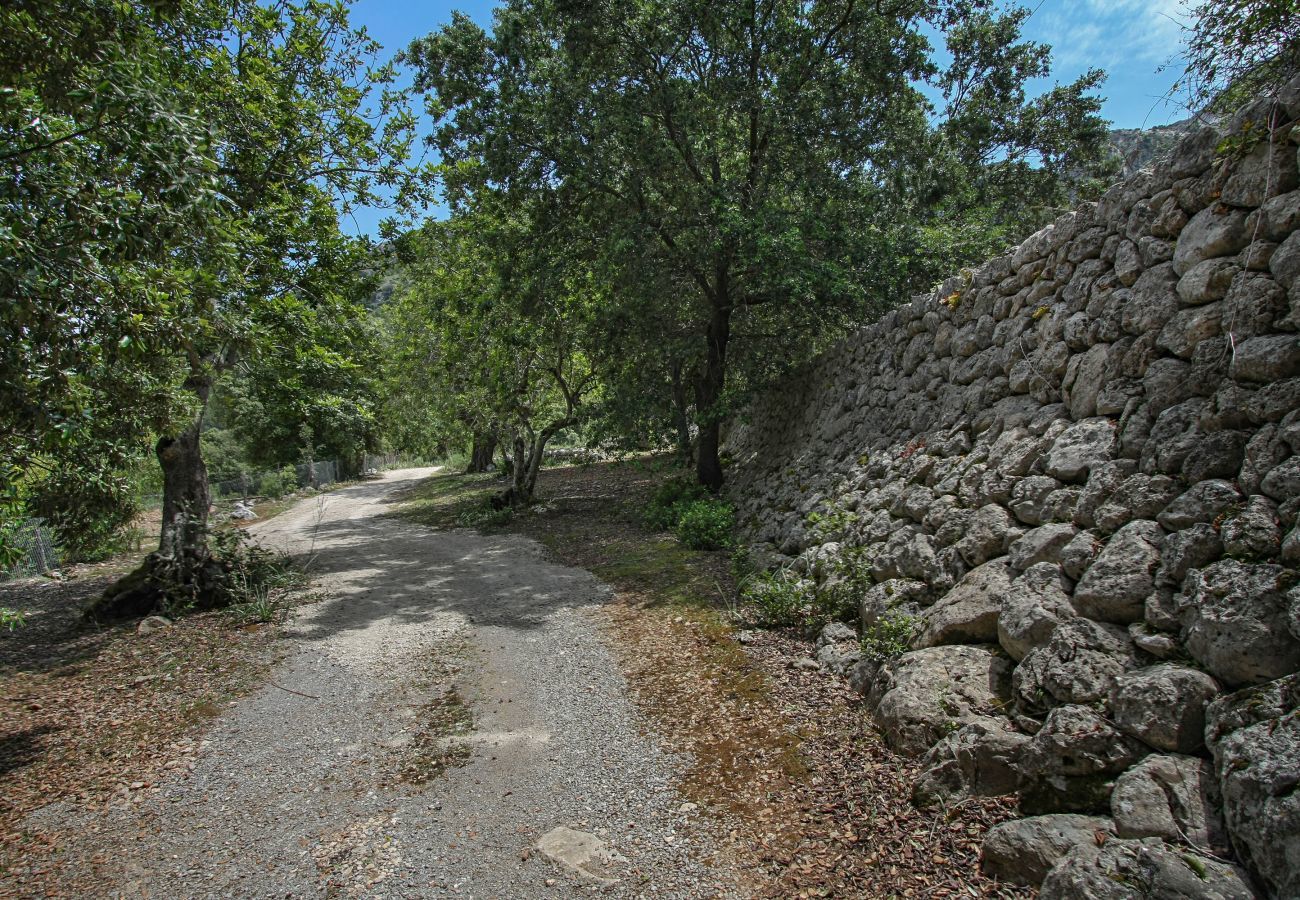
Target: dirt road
x=448, y=708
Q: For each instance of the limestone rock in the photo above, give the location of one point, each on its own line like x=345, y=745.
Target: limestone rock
x=1266, y=358
x=1170, y=797
x=1079, y=554
x=1031, y=608
x=1164, y=706
x=581, y=853
x=1235, y=622
x=1254, y=736
x=150, y=624
x=1023, y=851
x=1071, y=763
x=1083, y=659
x=925, y=694
x=894, y=597
x=1202, y=502
x=1115, y=586
x=974, y=761
x=987, y=535
x=1042, y=544
x=1193, y=547
x=1206, y=281
x=1252, y=533
x=1212, y=232
x=967, y=614
x=1083, y=445
x=1143, y=869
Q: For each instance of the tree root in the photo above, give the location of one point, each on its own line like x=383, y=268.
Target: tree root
x=163, y=585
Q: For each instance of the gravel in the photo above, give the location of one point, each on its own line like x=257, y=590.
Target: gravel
x=297, y=790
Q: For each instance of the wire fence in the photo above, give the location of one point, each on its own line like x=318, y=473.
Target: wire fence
x=34, y=540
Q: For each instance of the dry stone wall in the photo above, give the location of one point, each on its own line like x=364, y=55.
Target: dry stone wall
x=1076, y=470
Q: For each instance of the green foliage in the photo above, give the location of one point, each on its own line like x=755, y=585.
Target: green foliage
x=277, y=484
x=888, y=638
x=779, y=598
x=669, y=502
x=258, y=580
x=706, y=525
x=1239, y=50
x=11, y=618
x=485, y=517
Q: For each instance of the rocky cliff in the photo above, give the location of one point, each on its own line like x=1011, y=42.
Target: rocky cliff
x=1073, y=476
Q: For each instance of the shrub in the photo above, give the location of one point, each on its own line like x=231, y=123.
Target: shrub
x=670, y=500
x=706, y=525
x=258, y=580
x=888, y=638
x=485, y=517
x=276, y=484
x=779, y=598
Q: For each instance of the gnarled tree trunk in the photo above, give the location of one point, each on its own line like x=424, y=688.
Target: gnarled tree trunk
x=708, y=392
x=182, y=571
x=480, y=456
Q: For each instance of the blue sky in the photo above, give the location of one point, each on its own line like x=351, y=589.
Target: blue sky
x=1129, y=39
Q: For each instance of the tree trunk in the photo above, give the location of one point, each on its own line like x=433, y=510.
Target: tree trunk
x=708, y=392
x=480, y=457
x=182, y=572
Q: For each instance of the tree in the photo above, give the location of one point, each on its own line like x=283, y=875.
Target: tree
x=1240, y=49
x=492, y=323
x=776, y=154
x=104, y=171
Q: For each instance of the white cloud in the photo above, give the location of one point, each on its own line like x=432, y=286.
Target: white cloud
x=1108, y=33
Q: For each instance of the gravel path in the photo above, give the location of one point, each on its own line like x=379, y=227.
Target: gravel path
x=311, y=787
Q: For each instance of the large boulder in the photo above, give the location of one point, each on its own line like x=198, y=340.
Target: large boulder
x=1170, y=797
x=974, y=761
x=1083, y=659
x=1254, y=736
x=1023, y=851
x=1030, y=609
x=1204, y=501
x=1145, y=869
x=1213, y=232
x=1084, y=444
x=967, y=614
x=1042, y=544
x=1071, y=763
x=926, y=694
x=1115, y=587
x=1234, y=618
x=1164, y=706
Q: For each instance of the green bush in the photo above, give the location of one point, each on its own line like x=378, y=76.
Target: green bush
x=485, y=517
x=258, y=580
x=276, y=484
x=888, y=638
x=706, y=525
x=779, y=598
x=670, y=500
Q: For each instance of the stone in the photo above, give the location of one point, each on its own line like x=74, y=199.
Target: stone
x=1284, y=264
x=1170, y=797
x=1083, y=660
x=1071, y=763
x=967, y=614
x=987, y=535
x=907, y=554
x=1031, y=608
x=974, y=761
x=1164, y=706
x=1152, y=301
x=1189, y=328
x=1103, y=479
x=1234, y=617
x=1266, y=358
x=839, y=659
x=1282, y=482
x=1202, y=502
x=1195, y=546
x=836, y=633
x=1253, y=302
x=1152, y=642
x=925, y=694
x=1079, y=553
x=581, y=853
x=1139, y=496
x=1042, y=544
x=1212, y=232
x=890, y=598
x=1215, y=455
x=242, y=512
x=1144, y=869
x=1115, y=586
x=1023, y=851
x=1253, y=532
x=1268, y=170
x=1029, y=498
x=150, y=624
x=1206, y=281
x=1254, y=737
x=1279, y=216
x=1083, y=445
